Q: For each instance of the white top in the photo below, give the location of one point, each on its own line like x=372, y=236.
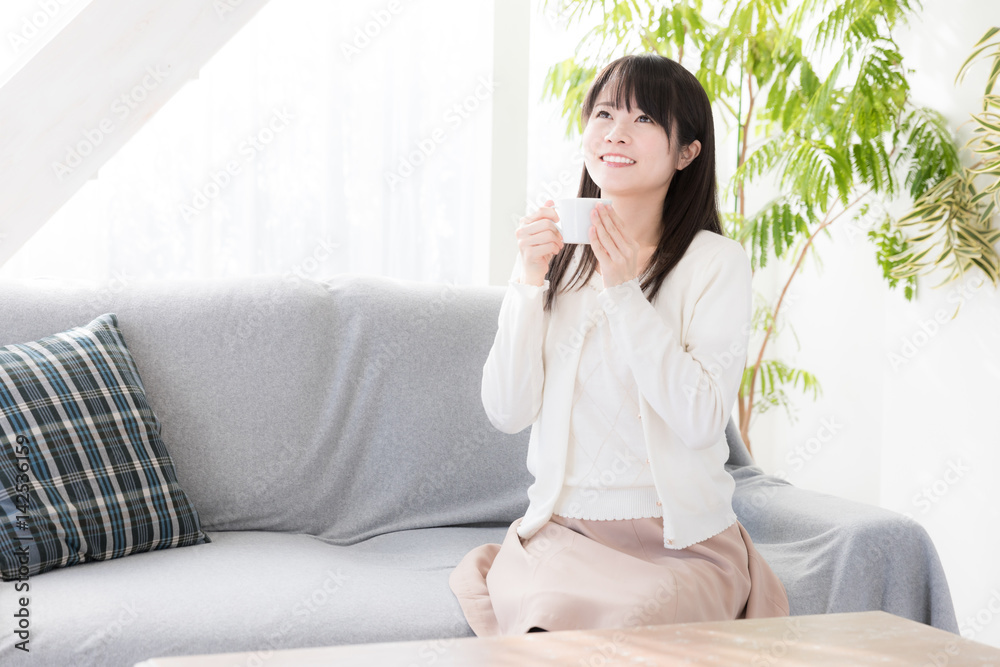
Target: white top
x=607, y=468
x=686, y=351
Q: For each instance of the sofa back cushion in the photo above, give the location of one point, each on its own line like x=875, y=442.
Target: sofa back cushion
x=343, y=408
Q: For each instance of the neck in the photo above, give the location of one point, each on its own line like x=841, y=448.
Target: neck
x=641, y=217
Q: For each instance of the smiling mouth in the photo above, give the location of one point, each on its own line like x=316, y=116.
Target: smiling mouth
x=617, y=162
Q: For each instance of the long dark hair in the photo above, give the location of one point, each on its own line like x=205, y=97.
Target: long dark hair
x=674, y=98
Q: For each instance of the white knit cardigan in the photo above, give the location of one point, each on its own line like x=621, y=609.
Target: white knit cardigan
x=687, y=351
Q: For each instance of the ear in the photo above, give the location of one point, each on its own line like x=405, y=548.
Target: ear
x=688, y=154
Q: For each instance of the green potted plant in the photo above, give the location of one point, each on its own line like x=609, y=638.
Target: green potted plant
x=842, y=142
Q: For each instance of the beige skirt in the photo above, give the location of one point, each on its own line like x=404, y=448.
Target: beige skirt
x=576, y=574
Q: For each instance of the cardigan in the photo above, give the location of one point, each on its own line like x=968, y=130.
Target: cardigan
x=607, y=468
x=687, y=351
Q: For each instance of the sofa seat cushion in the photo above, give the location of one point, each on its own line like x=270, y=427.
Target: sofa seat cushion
x=247, y=591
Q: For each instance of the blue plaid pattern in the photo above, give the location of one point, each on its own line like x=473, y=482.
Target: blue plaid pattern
x=84, y=474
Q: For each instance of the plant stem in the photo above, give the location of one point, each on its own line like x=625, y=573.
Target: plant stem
x=745, y=409
x=746, y=134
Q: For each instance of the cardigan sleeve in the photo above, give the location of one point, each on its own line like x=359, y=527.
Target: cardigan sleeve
x=692, y=385
x=514, y=373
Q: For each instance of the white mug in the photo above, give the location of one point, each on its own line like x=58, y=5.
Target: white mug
x=574, y=217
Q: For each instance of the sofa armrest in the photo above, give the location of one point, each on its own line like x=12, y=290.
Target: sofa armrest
x=838, y=555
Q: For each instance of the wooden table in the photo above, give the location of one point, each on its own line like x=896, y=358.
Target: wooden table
x=856, y=638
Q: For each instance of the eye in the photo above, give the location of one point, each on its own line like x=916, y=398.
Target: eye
x=598, y=115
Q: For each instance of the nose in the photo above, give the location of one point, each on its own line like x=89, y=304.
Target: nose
x=616, y=133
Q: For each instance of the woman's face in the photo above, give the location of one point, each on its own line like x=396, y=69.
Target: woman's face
x=633, y=135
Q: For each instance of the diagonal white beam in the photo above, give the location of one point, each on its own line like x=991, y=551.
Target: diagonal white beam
x=87, y=91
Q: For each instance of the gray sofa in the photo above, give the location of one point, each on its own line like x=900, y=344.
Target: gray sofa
x=332, y=438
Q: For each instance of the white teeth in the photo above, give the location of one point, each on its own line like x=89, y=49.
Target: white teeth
x=615, y=158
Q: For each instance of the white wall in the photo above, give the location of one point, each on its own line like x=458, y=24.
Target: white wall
x=940, y=408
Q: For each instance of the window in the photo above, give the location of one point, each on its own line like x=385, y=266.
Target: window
x=325, y=137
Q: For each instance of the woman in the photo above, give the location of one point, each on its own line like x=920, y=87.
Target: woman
x=627, y=385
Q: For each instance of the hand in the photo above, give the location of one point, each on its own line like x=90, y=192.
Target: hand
x=615, y=249
x=538, y=241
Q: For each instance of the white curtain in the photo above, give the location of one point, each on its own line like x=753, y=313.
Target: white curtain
x=326, y=137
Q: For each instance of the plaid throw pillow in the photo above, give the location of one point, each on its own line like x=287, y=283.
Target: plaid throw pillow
x=84, y=474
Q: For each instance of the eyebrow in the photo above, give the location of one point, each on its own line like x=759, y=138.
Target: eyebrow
x=608, y=105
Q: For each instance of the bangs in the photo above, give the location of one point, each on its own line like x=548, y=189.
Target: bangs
x=634, y=79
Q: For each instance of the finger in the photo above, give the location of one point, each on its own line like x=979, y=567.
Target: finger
x=534, y=217
x=547, y=230
x=602, y=232
x=529, y=237
x=547, y=211
x=595, y=243
x=541, y=226
x=612, y=227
